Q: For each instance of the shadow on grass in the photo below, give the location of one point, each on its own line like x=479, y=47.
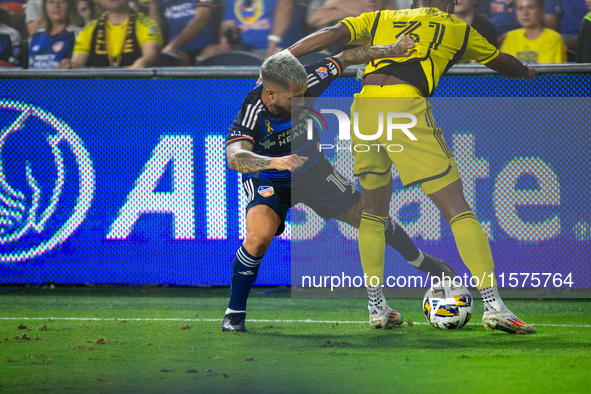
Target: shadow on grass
x=139, y=291
x=469, y=338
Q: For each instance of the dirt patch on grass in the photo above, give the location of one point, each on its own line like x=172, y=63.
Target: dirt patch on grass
x=103, y=341
x=330, y=343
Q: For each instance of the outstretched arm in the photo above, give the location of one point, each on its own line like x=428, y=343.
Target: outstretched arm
x=320, y=40
x=241, y=158
x=508, y=66
x=282, y=21
x=362, y=55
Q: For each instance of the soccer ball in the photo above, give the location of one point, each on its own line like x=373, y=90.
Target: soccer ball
x=448, y=306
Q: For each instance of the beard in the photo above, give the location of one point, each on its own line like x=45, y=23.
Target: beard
x=282, y=111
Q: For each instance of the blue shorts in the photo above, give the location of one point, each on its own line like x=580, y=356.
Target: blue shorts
x=322, y=188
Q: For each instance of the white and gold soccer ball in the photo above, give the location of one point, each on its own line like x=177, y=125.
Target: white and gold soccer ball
x=448, y=306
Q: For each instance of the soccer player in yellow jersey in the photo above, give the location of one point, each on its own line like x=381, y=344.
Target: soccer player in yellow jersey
x=442, y=39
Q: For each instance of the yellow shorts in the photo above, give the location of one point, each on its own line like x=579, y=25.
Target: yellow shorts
x=394, y=124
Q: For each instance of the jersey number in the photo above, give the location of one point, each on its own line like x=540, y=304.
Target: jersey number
x=408, y=29
x=339, y=181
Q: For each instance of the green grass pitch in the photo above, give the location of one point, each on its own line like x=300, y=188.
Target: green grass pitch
x=111, y=340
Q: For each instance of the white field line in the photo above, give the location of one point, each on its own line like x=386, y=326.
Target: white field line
x=248, y=320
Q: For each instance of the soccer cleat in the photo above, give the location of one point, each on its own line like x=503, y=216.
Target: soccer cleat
x=234, y=322
x=505, y=321
x=383, y=319
x=434, y=267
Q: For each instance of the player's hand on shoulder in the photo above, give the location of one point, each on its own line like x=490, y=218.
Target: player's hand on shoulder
x=402, y=47
x=290, y=162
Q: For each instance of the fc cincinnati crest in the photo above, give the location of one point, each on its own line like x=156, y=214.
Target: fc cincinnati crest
x=57, y=46
x=46, y=181
x=249, y=11
x=266, y=191
x=322, y=72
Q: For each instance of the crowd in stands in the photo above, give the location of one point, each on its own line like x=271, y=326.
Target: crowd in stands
x=64, y=34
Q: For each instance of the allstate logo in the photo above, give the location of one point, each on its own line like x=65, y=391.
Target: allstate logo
x=46, y=181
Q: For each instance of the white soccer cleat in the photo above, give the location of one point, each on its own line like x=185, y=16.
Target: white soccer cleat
x=505, y=321
x=383, y=319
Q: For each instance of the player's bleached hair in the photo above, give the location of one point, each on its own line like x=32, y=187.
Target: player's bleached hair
x=283, y=68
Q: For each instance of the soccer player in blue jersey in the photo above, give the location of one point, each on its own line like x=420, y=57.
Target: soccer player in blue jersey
x=259, y=144
x=441, y=40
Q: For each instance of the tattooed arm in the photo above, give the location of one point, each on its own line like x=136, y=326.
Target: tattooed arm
x=322, y=39
x=362, y=55
x=241, y=158
x=339, y=34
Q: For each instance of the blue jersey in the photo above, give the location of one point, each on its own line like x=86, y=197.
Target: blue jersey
x=10, y=47
x=273, y=136
x=573, y=13
x=254, y=18
x=178, y=13
x=48, y=51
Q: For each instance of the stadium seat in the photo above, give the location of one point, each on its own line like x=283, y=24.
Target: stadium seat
x=312, y=58
x=233, y=58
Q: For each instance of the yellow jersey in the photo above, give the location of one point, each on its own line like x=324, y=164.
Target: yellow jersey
x=547, y=48
x=146, y=31
x=442, y=39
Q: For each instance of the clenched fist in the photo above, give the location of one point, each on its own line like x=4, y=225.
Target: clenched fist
x=401, y=47
x=289, y=163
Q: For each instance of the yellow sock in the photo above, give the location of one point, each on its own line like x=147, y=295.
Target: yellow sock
x=372, y=246
x=474, y=248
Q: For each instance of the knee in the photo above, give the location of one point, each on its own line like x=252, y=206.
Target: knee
x=257, y=244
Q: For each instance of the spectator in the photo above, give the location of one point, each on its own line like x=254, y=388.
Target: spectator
x=33, y=16
x=192, y=25
x=142, y=6
x=10, y=42
x=465, y=10
x=15, y=8
x=52, y=46
x=33, y=13
x=258, y=26
x=501, y=13
x=573, y=12
x=119, y=38
x=584, y=40
x=86, y=10
x=533, y=43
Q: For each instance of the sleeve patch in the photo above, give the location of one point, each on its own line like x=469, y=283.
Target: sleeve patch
x=322, y=72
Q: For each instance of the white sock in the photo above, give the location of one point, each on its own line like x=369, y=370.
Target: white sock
x=376, y=298
x=233, y=311
x=490, y=296
x=417, y=262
